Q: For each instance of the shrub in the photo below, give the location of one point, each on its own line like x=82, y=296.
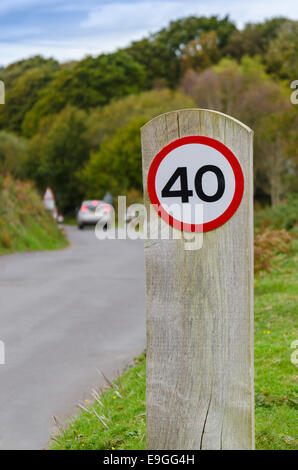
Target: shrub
x=267, y=244
x=24, y=222
x=283, y=216
x=5, y=239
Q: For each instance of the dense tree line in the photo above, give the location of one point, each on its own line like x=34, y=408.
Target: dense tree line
x=75, y=126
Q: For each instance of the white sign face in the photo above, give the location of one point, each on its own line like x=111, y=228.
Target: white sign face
x=49, y=199
x=48, y=195
x=192, y=172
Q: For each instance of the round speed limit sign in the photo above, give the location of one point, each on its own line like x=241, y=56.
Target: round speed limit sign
x=193, y=171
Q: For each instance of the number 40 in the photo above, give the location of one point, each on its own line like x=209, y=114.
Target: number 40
x=186, y=193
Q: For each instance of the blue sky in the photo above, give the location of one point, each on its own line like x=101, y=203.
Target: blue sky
x=71, y=29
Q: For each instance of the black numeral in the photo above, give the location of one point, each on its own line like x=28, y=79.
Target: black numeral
x=184, y=192
x=220, y=183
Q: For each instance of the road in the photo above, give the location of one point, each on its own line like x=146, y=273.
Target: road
x=64, y=315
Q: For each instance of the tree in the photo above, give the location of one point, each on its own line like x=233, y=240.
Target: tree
x=15, y=70
x=281, y=57
x=21, y=96
x=89, y=83
x=104, y=122
x=160, y=54
x=201, y=53
x=253, y=39
x=118, y=166
x=22, y=87
x=273, y=165
x=12, y=154
x=56, y=155
x=247, y=93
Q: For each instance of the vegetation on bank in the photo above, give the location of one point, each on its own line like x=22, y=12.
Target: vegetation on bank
x=24, y=223
x=115, y=418
x=283, y=216
x=275, y=228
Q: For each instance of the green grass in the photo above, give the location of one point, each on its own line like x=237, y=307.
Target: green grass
x=122, y=409
x=276, y=308
x=276, y=315
x=24, y=223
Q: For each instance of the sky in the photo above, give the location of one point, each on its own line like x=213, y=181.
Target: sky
x=72, y=29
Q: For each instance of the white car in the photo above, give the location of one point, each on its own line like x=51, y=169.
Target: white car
x=92, y=212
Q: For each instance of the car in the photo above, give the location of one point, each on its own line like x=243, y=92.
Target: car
x=92, y=212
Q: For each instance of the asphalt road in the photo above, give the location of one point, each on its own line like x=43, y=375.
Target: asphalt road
x=64, y=315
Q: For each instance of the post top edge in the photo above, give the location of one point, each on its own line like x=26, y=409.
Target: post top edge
x=248, y=129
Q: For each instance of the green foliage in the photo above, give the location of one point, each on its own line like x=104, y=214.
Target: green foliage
x=282, y=53
x=57, y=153
x=267, y=244
x=24, y=223
x=277, y=135
x=60, y=149
x=12, y=154
x=22, y=89
x=89, y=83
x=201, y=53
x=245, y=91
x=282, y=216
x=254, y=38
x=118, y=165
x=38, y=87
x=160, y=53
x=104, y=122
x=15, y=70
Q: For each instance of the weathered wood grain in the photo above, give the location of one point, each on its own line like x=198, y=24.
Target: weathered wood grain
x=200, y=310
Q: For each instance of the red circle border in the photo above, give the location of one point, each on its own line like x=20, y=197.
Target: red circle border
x=239, y=183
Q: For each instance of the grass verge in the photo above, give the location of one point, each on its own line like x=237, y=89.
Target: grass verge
x=116, y=419
x=24, y=223
x=276, y=313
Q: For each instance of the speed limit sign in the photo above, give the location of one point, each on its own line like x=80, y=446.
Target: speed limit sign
x=192, y=171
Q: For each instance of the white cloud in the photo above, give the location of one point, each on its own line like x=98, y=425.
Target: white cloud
x=137, y=16
x=152, y=15
x=106, y=25
x=64, y=50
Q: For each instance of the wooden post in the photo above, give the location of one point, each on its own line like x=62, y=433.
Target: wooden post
x=200, y=309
